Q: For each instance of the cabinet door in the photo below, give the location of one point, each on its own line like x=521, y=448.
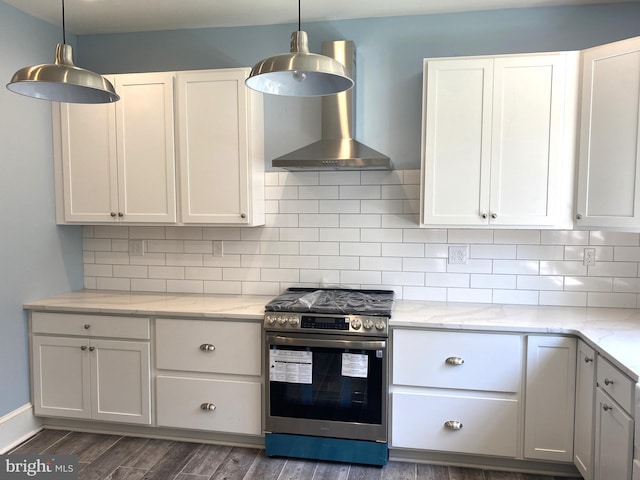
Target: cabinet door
x=457, y=141
x=61, y=377
x=549, y=398
x=608, y=176
x=216, y=152
x=614, y=440
x=120, y=381
x=583, y=439
x=146, y=156
x=87, y=160
x=527, y=139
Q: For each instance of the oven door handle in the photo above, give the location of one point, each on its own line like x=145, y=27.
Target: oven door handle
x=337, y=343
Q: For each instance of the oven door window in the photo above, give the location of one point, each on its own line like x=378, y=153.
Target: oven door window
x=337, y=384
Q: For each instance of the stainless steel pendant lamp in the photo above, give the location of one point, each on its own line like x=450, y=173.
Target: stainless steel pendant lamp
x=299, y=73
x=62, y=81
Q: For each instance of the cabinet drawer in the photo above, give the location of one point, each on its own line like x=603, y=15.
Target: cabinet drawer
x=616, y=384
x=234, y=346
x=491, y=362
x=489, y=425
x=237, y=404
x=90, y=325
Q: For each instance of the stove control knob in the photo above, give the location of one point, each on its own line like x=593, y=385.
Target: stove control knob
x=294, y=321
x=270, y=320
x=380, y=325
x=356, y=323
x=282, y=320
x=367, y=324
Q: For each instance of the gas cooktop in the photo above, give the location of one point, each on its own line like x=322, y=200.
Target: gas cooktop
x=333, y=301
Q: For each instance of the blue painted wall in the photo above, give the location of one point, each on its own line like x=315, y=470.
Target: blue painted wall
x=37, y=258
x=389, y=67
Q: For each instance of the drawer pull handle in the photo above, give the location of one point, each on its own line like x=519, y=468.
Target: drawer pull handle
x=454, y=361
x=207, y=347
x=608, y=382
x=87, y=326
x=588, y=359
x=606, y=407
x=453, y=425
x=208, y=407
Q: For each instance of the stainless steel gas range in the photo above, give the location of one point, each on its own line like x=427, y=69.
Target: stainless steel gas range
x=327, y=374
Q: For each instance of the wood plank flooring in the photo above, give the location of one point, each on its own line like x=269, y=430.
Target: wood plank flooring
x=113, y=457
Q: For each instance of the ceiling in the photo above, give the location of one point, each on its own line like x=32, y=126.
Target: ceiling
x=117, y=16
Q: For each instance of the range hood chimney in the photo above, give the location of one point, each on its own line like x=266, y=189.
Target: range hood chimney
x=337, y=150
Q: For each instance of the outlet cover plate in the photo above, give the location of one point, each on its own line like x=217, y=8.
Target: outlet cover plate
x=136, y=248
x=589, y=257
x=458, y=254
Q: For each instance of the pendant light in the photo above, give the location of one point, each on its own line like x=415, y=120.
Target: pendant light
x=299, y=73
x=62, y=81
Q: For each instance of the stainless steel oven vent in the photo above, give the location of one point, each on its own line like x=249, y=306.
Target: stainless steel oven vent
x=337, y=149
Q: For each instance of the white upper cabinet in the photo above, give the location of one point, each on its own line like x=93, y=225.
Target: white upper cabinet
x=608, y=176
x=116, y=162
x=498, y=140
x=220, y=131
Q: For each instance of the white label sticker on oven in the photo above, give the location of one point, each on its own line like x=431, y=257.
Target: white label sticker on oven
x=354, y=365
x=291, y=366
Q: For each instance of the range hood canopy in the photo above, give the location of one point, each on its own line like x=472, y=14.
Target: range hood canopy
x=337, y=150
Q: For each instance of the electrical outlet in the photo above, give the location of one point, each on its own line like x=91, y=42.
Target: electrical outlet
x=589, y=257
x=136, y=248
x=217, y=248
x=458, y=255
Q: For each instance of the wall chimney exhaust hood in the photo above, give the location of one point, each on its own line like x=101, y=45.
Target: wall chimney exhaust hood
x=337, y=150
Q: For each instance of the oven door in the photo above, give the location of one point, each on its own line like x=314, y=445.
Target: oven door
x=326, y=385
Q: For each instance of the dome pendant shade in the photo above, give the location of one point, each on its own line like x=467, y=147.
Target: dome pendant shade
x=62, y=81
x=299, y=73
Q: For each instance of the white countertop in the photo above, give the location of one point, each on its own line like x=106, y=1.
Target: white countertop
x=615, y=332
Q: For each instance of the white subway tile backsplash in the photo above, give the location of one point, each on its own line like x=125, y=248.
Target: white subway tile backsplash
x=360, y=249
x=319, y=192
x=516, y=297
x=361, y=229
x=339, y=206
x=531, y=237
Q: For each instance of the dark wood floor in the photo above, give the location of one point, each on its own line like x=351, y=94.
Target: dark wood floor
x=112, y=457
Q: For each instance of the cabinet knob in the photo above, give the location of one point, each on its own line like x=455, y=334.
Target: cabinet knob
x=83, y=347
x=91, y=349
x=453, y=425
x=243, y=215
x=87, y=326
x=120, y=214
x=208, y=407
x=608, y=382
x=606, y=407
x=578, y=216
x=484, y=215
x=494, y=215
x=588, y=359
x=113, y=214
x=454, y=361
x=207, y=347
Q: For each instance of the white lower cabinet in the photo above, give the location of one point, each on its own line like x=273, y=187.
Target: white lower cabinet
x=549, y=398
x=583, y=437
x=90, y=378
x=456, y=391
x=209, y=375
x=614, y=424
x=455, y=423
x=208, y=404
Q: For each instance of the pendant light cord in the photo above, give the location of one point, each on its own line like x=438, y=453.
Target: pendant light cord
x=64, y=37
x=298, y=14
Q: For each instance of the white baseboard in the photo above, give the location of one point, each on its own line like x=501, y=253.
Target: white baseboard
x=17, y=426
